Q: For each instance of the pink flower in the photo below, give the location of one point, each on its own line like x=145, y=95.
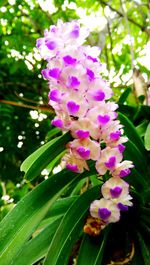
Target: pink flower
x=123, y=169
x=105, y=210
x=99, y=84
x=75, y=164
x=108, y=159
x=102, y=114
x=64, y=121
x=85, y=149
x=84, y=128
x=74, y=104
x=111, y=133
x=55, y=95
x=117, y=190
x=60, y=36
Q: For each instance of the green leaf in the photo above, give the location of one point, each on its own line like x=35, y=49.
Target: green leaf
x=37, y=247
x=137, y=258
x=143, y=113
x=145, y=209
x=127, y=110
x=144, y=249
x=21, y=222
x=141, y=128
x=37, y=161
x=146, y=195
x=32, y=158
x=58, y=209
x=136, y=180
x=147, y=138
x=131, y=133
x=134, y=154
x=141, y=99
x=145, y=218
x=95, y=180
x=70, y=228
x=60, y=206
x=92, y=249
x=78, y=187
x=55, y=161
x=124, y=95
x=145, y=229
x=53, y=132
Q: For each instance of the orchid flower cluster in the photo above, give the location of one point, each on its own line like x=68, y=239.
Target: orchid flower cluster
x=80, y=98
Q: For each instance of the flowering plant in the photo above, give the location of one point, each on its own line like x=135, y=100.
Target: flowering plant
x=66, y=219
x=81, y=100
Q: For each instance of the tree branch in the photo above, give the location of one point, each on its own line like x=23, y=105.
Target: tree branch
x=111, y=42
x=26, y=99
x=12, y=103
x=129, y=33
x=142, y=27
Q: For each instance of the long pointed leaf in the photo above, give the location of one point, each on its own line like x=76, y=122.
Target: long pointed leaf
x=131, y=133
x=70, y=228
x=146, y=195
x=145, y=229
x=58, y=209
x=27, y=163
x=37, y=161
x=144, y=249
x=147, y=138
x=137, y=258
x=134, y=154
x=20, y=223
x=136, y=180
x=36, y=248
x=92, y=249
x=60, y=206
x=124, y=95
x=141, y=128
